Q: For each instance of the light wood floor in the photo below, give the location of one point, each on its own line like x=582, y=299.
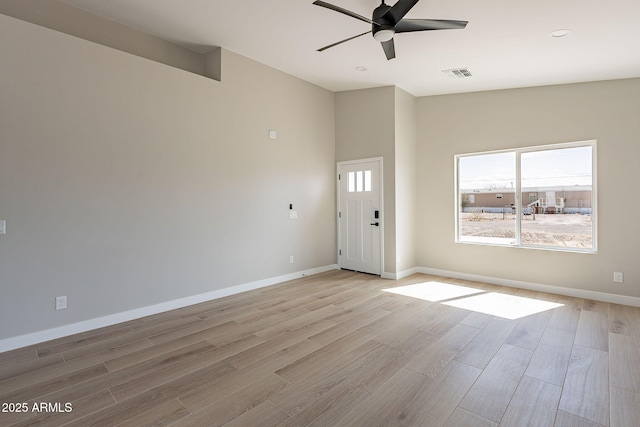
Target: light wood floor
x=336, y=350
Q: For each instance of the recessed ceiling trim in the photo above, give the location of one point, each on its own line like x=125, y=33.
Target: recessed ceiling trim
x=559, y=33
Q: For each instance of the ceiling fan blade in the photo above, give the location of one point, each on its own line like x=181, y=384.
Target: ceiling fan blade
x=410, y=25
x=341, y=41
x=344, y=11
x=389, y=49
x=401, y=8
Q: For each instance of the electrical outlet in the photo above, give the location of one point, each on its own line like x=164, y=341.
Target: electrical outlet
x=61, y=303
x=618, y=277
x=291, y=259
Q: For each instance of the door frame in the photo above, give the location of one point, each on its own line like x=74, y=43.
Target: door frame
x=381, y=188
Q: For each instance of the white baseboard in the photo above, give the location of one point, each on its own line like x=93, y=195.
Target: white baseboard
x=400, y=275
x=572, y=292
x=112, y=319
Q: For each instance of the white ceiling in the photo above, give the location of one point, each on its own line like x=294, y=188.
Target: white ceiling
x=505, y=45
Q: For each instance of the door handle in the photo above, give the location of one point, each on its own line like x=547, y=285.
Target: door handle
x=377, y=224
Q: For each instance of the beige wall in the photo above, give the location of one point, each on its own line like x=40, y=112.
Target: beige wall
x=606, y=111
x=405, y=180
x=381, y=122
x=127, y=183
x=365, y=128
x=68, y=19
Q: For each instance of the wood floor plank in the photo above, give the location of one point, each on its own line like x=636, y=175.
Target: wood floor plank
x=624, y=320
x=265, y=414
x=477, y=320
x=329, y=409
x=269, y=346
x=551, y=358
x=88, y=338
x=464, y=418
x=486, y=344
x=354, y=308
x=336, y=297
x=593, y=331
x=169, y=348
x=300, y=321
x=490, y=395
x=415, y=317
x=434, y=358
x=534, y=403
x=153, y=367
x=624, y=362
x=586, y=388
x=233, y=310
x=162, y=415
x=107, y=350
x=297, y=398
x=11, y=370
x=63, y=381
x=43, y=374
x=341, y=330
x=16, y=357
x=268, y=317
x=446, y=320
x=566, y=318
x=198, y=397
x=327, y=360
x=529, y=330
x=198, y=331
x=388, y=402
x=150, y=399
x=565, y=419
x=596, y=306
x=174, y=372
x=236, y=404
x=371, y=370
x=625, y=408
x=435, y=402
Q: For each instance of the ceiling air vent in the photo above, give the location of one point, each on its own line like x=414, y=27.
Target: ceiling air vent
x=459, y=73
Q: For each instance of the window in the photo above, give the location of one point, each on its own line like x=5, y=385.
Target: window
x=359, y=181
x=541, y=197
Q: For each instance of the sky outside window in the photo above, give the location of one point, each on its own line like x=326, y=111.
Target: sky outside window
x=558, y=167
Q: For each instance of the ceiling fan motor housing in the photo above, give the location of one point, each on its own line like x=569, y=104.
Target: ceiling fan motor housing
x=384, y=31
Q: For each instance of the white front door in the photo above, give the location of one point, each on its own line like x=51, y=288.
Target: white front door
x=360, y=216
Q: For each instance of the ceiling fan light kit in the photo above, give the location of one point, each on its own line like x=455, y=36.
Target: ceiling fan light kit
x=388, y=20
x=383, y=35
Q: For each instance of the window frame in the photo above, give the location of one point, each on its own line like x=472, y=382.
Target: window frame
x=518, y=196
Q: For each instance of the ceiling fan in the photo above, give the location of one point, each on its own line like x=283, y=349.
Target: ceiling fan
x=388, y=20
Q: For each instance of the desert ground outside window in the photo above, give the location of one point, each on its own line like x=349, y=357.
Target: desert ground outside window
x=537, y=197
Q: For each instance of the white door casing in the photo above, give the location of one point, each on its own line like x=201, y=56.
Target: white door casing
x=360, y=216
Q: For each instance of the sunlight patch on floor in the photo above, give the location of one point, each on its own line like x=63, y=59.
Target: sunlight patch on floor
x=503, y=305
x=434, y=291
x=492, y=303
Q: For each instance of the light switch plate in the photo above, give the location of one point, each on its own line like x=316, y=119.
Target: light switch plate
x=3, y=226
